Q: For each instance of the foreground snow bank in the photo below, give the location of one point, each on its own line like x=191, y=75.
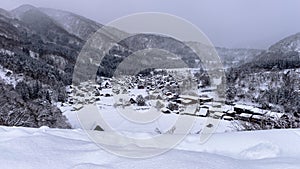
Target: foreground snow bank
x=44, y=148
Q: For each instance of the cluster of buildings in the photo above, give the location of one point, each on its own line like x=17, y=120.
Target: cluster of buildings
x=256, y=115
x=165, y=91
x=82, y=94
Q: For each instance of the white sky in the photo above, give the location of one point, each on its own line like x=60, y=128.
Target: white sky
x=227, y=23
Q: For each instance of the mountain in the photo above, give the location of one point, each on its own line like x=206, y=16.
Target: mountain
x=236, y=57
x=5, y=13
x=288, y=44
x=284, y=54
x=19, y=11
x=69, y=30
x=39, y=46
x=228, y=57
x=34, y=46
x=44, y=26
x=39, y=52
x=74, y=24
x=271, y=79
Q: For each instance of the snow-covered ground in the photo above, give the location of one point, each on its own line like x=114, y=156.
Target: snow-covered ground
x=118, y=121
x=44, y=148
x=226, y=148
x=163, y=123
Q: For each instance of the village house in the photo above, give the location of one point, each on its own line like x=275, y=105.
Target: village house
x=242, y=109
x=216, y=109
x=257, y=118
x=217, y=115
x=274, y=115
x=228, y=118
x=205, y=106
x=132, y=101
x=203, y=112
x=189, y=110
x=216, y=104
x=77, y=107
x=203, y=100
x=245, y=116
x=231, y=113
x=258, y=111
x=188, y=100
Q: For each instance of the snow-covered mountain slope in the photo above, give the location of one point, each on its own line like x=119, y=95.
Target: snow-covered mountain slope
x=277, y=90
x=284, y=54
x=229, y=57
x=74, y=24
x=271, y=79
x=46, y=148
x=5, y=13
x=21, y=10
x=237, y=57
x=288, y=44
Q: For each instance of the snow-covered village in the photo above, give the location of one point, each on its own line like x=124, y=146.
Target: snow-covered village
x=134, y=84
x=169, y=95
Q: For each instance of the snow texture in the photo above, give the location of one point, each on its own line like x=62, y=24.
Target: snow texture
x=47, y=148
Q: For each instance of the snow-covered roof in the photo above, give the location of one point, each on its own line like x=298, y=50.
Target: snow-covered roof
x=205, y=106
x=228, y=118
x=78, y=106
x=215, y=109
x=231, y=112
x=245, y=107
x=205, y=98
x=258, y=111
x=245, y=115
x=186, y=101
x=274, y=114
x=216, y=104
x=219, y=114
x=202, y=112
x=164, y=109
x=258, y=117
x=189, y=97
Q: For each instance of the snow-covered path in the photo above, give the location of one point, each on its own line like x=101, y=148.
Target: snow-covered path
x=44, y=148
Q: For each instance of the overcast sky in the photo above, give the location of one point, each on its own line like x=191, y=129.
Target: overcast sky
x=227, y=23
